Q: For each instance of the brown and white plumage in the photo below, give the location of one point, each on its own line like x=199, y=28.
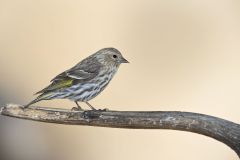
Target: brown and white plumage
x=85, y=80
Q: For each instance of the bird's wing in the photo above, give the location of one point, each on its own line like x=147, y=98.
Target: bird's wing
x=87, y=68
x=83, y=71
x=79, y=74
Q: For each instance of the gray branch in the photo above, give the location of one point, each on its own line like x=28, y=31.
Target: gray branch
x=217, y=128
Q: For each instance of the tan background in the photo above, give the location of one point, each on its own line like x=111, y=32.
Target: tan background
x=185, y=55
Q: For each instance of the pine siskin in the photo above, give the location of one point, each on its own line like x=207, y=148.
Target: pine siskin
x=85, y=80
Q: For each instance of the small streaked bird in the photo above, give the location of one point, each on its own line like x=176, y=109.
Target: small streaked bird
x=85, y=80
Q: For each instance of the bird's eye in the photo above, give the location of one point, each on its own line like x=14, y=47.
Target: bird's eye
x=114, y=56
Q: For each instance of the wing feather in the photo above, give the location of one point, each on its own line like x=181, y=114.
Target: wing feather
x=83, y=71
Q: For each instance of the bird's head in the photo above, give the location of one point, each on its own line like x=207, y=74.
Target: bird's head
x=110, y=56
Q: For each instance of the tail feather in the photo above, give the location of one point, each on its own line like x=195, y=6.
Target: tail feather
x=43, y=96
x=32, y=102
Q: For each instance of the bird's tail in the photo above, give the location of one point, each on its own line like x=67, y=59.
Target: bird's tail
x=32, y=102
x=43, y=96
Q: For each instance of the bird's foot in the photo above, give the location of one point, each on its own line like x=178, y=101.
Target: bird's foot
x=104, y=110
x=77, y=109
x=94, y=113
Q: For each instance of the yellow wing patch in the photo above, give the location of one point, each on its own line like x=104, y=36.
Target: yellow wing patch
x=57, y=85
x=61, y=84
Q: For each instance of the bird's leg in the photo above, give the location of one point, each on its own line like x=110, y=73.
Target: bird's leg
x=89, y=105
x=78, y=107
x=106, y=109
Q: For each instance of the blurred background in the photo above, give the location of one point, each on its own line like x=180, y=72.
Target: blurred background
x=185, y=56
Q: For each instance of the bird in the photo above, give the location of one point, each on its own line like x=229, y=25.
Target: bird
x=85, y=80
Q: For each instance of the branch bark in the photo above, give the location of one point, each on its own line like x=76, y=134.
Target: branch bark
x=217, y=128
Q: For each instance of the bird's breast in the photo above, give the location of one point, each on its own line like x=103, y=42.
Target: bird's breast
x=90, y=89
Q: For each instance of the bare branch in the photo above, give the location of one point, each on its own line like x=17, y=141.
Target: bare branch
x=219, y=129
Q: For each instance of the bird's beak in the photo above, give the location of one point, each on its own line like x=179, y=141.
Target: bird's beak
x=123, y=60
